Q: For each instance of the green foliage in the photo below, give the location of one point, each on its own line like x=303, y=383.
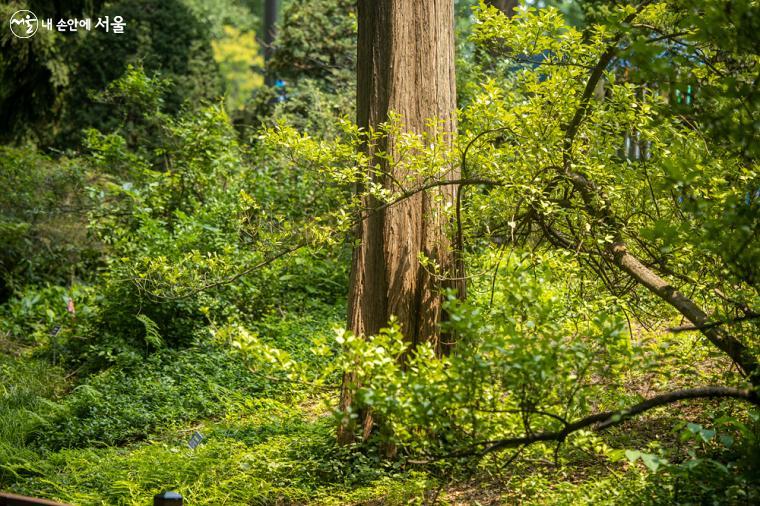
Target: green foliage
x=172, y=42
x=152, y=337
x=182, y=229
x=207, y=268
x=707, y=466
x=127, y=404
x=51, y=107
x=288, y=466
x=36, y=73
x=533, y=126
x=174, y=219
x=534, y=357
x=688, y=204
x=303, y=104
x=24, y=392
x=42, y=225
x=31, y=316
x=313, y=59
x=233, y=29
x=317, y=40
x=219, y=14
x=238, y=54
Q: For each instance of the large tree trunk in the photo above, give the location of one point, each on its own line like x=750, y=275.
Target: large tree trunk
x=405, y=65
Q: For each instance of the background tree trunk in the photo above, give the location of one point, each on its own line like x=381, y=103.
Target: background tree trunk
x=506, y=6
x=405, y=65
x=270, y=21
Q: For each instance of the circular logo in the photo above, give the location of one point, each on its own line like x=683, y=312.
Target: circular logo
x=23, y=24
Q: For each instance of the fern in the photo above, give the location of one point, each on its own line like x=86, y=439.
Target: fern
x=152, y=337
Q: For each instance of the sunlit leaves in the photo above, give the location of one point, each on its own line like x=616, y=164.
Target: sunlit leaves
x=525, y=356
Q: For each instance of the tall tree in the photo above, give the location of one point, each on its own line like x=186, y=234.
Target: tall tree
x=405, y=65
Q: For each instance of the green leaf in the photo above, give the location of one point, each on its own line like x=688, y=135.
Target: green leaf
x=694, y=428
x=707, y=434
x=726, y=440
x=653, y=462
x=152, y=337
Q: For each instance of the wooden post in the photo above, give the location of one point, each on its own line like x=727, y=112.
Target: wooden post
x=167, y=499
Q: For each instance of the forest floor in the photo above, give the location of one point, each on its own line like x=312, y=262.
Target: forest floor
x=121, y=435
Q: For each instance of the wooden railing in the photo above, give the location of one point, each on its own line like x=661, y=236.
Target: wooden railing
x=20, y=500
x=162, y=499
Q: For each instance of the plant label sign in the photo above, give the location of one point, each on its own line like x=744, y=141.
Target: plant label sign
x=195, y=440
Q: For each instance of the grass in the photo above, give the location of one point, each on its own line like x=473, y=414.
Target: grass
x=264, y=447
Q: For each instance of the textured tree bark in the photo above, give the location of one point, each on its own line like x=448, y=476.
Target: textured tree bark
x=405, y=65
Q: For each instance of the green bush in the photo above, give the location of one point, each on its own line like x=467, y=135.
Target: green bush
x=167, y=40
x=314, y=58
x=316, y=39
x=270, y=454
x=721, y=465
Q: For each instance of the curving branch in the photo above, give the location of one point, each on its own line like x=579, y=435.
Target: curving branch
x=601, y=421
x=597, y=205
x=305, y=242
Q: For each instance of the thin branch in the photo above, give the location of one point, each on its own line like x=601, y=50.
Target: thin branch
x=434, y=184
x=234, y=277
x=710, y=325
x=550, y=63
x=459, y=240
x=303, y=243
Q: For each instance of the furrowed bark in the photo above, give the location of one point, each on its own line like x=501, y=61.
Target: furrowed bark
x=405, y=65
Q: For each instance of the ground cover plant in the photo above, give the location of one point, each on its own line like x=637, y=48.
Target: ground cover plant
x=446, y=252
